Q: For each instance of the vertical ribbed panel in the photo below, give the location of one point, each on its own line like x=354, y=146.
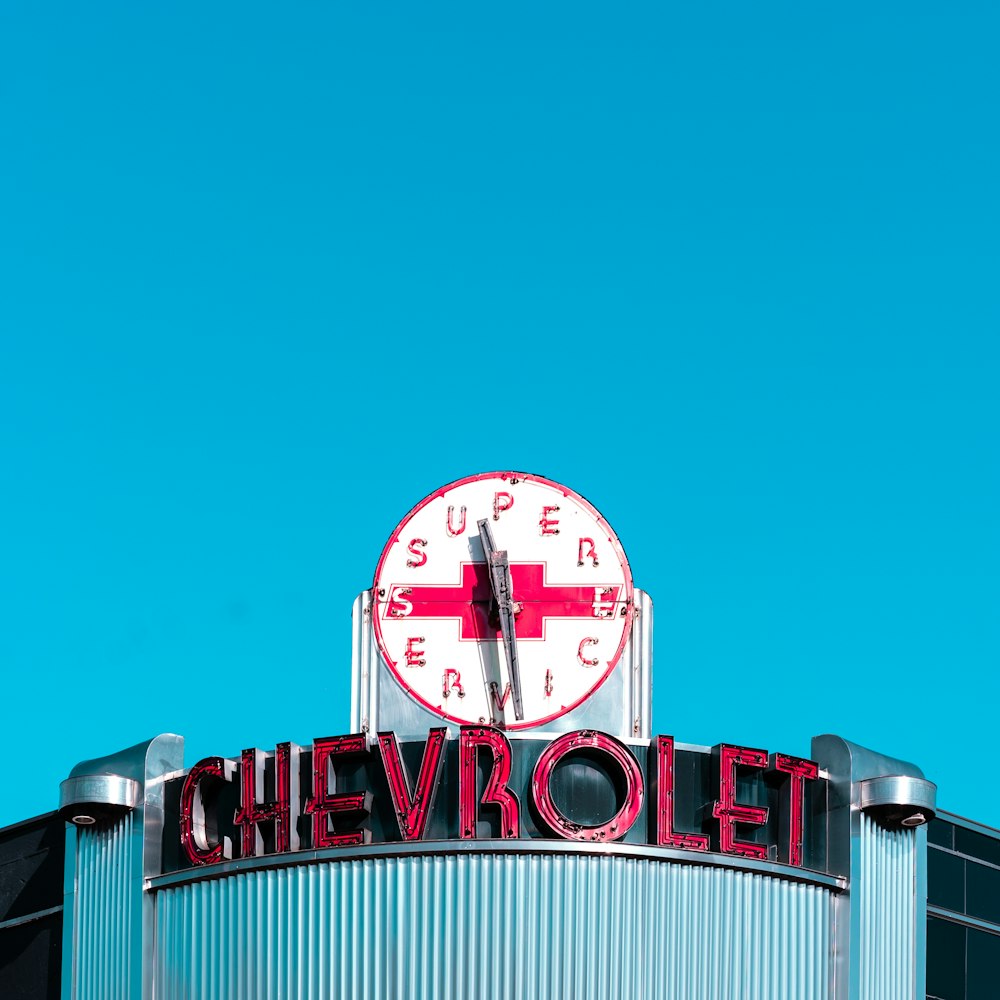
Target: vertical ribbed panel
x=103, y=912
x=886, y=895
x=467, y=926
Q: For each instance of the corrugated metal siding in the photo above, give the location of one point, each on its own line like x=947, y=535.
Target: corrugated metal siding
x=104, y=916
x=887, y=897
x=459, y=927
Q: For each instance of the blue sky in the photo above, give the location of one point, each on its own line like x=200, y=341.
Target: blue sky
x=270, y=276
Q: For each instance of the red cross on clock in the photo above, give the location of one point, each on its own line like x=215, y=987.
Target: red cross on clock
x=503, y=598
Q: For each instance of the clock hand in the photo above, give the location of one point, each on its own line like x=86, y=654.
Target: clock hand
x=503, y=593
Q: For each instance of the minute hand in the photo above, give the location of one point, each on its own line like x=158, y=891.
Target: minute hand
x=503, y=593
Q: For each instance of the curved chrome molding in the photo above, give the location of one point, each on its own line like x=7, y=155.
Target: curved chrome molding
x=442, y=847
x=85, y=794
x=902, y=794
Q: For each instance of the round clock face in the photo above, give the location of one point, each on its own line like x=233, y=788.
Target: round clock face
x=502, y=599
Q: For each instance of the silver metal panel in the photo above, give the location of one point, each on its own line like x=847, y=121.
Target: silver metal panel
x=920, y=913
x=622, y=706
x=881, y=919
x=365, y=658
x=105, y=915
x=465, y=926
x=886, y=899
x=107, y=919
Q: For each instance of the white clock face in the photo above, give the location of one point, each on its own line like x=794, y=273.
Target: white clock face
x=439, y=615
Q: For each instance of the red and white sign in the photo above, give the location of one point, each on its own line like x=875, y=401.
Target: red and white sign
x=435, y=609
x=321, y=814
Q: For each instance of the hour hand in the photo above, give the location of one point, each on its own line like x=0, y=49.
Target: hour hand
x=503, y=594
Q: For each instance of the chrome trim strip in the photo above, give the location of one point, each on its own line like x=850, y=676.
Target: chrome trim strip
x=29, y=917
x=963, y=857
x=969, y=824
x=962, y=918
x=445, y=847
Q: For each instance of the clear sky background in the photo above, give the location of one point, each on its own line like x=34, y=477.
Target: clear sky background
x=271, y=274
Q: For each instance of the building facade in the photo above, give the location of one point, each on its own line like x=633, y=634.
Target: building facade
x=500, y=819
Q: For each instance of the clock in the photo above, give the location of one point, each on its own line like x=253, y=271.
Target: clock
x=502, y=599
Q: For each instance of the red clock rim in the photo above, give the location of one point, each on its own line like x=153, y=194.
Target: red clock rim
x=506, y=475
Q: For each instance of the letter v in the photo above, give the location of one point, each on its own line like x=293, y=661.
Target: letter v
x=412, y=805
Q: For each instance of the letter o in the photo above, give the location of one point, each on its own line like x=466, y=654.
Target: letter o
x=587, y=739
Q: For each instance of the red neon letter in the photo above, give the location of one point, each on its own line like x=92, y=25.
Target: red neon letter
x=193, y=822
x=587, y=740
x=604, y=606
x=470, y=739
x=546, y=524
x=413, y=807
x=801, y=771
x=452, y=530
x=590, y=554
x=327, y=803
x=414, y=656
x=452, y=681
x=665, y=835
x=728, y=811
x=414, y=549
x=282, y=811
x=589, y=641
x=399, y=604
x=495, y=692
x=501, y=501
